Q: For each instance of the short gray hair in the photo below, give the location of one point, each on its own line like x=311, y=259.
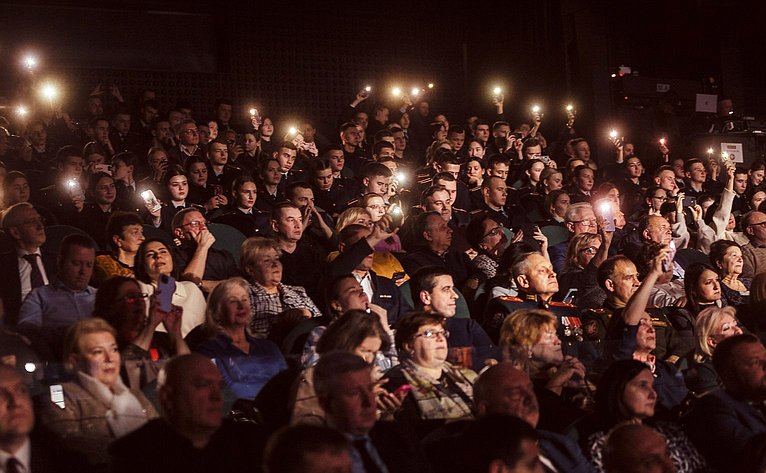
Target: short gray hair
x=575, y=210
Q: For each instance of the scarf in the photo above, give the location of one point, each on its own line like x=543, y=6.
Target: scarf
x=124, y=412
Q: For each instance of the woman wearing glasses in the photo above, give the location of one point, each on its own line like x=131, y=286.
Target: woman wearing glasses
x=437, y=391
x=121, y=302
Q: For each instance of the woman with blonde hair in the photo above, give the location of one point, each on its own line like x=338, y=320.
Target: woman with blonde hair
x=711, y=326
x=259, y=260
x=528, y=339
x=246, y=363
x=96, y=407
x=383, y=262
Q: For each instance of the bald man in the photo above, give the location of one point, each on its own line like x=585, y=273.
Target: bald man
x=503, y=389
x=191, y=436
x=636, y=448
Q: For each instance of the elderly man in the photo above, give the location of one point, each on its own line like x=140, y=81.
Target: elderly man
x=191, y=436
x=579, y=218
x=24, y=448
x=201, y=263
x=504, y=389
x=537, y=283
x=724, y=420
x=187, y=137
x=344, y=387
x=636, y=448
x=754, y=253
x=48, y=311
x=26, y=266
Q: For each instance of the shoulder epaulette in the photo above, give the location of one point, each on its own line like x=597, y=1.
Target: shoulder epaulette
x=510, y=299
x=560, y=304
x=598, y=310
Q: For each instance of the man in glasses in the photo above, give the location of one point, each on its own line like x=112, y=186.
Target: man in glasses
x=201, y=263
x=579, y=218
x=25, y=265
x=469, y=345
x=754, y=253
x=187, y=137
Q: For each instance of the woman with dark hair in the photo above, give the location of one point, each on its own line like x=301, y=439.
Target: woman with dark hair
x=197, y=174
x=154, y=260
x=556, y=206
x=121, y=302
x=101, y=194
x=268, y=145
x=437, y=392
x=175, y=187
x=357, y=332
x=626, y=394
x=487, y=237
x=726, y=256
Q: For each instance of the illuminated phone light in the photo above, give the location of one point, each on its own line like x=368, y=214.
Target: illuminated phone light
x=253, y=111
x=536, y=109
x=49, y=91
x=146, y=195
x=30, y=62
x=30, y=367
x=292, y=130
x=710, y=151
x=662, y=141
x=415, y=91
x=613, y=76
x=497, y=90
x=396, y=91
x=367, y=88
x=613, y=134
x=21, y=111
x=430, y=85
x=570, y=107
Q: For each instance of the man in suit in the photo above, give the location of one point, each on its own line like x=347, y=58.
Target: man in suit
x=344, y=387
x=356, y=258
x=26, y=266
x=191, y=436
x=504, y=389
x=23, y=448
x=724, y=420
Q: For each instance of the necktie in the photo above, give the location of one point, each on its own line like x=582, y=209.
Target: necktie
x=36, y=277
x=370, y=465
x=13, y=465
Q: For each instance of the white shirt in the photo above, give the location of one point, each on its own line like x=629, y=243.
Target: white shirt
x=25, y=271
x=366, y=282
x=23, y=455
x=188, y=296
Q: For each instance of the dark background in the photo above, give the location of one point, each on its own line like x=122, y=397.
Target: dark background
x=308, y=61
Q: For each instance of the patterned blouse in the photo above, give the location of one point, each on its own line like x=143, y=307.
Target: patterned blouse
x=267, y=306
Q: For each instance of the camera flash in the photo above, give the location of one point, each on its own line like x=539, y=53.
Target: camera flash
x=613, y=134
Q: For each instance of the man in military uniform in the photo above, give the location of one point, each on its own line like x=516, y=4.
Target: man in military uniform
x=618, y=277
x=437, y=199
x=376, y=178
x=537, y=284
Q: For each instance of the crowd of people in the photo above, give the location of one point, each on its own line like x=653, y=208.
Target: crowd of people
x=184, y=292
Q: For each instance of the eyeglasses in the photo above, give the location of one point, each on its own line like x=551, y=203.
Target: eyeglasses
x=759, y=224
x=190, y=132
x=196, y=224
x=587, y=221
x=494, y=232
x=591, y=250
x=434, y=334
x=133, y=298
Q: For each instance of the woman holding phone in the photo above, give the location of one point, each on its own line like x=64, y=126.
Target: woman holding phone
x=154, y=272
